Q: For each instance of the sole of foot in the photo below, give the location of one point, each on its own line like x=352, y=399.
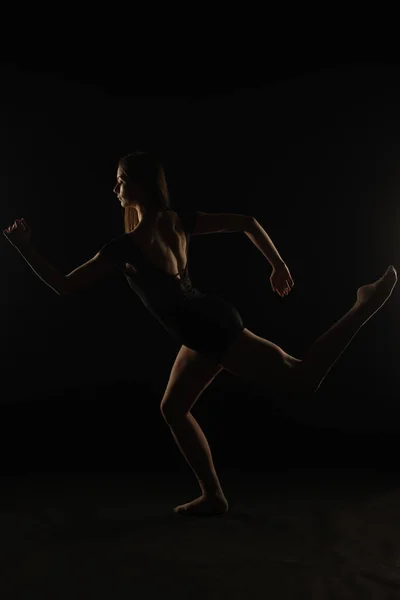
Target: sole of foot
x=371, y=297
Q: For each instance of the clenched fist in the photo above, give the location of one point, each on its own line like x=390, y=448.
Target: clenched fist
x=18, y=233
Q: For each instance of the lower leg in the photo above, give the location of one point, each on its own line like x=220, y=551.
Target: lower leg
x=326, y=350
x=330, y=346
x=194, y=446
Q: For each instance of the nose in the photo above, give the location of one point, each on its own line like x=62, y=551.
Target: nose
x=115, y=190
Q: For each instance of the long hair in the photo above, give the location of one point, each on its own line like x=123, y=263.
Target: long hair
x=144, y=169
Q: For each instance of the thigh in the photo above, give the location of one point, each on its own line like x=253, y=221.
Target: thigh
x=190, y=375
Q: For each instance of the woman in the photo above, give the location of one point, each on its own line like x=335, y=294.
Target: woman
x=153, y=255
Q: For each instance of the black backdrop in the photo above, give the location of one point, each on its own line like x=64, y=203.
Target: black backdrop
x=314, y=158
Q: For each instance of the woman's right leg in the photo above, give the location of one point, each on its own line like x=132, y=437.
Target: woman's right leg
x=261, y=361
x=330, y=345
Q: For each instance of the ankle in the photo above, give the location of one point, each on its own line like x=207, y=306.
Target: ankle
x=211, y=490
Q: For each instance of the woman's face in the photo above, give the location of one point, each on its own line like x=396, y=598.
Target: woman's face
x=128, y=193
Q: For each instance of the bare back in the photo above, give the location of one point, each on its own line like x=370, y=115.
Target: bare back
x=163, y=243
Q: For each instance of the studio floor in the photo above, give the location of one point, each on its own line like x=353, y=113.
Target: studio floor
x=308, y=534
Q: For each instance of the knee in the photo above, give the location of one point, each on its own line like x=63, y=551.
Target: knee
x=169, y=414
x=164, y=412
x=301, y=380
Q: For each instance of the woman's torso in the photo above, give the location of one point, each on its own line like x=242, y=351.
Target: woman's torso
x=164, y=243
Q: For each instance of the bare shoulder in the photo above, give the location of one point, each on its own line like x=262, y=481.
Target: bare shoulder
x=171, y=217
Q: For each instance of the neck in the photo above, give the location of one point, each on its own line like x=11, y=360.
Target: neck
x=148, y=219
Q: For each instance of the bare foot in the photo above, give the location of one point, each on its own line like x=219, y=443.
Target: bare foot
x=370, y=298
x=206, y=505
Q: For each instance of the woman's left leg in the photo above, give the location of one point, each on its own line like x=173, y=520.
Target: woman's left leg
x=191, y=374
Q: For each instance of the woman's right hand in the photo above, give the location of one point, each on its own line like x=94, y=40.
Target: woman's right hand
x=18, y=233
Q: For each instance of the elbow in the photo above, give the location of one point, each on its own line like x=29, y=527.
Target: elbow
x=65, y=288
x=250, y=224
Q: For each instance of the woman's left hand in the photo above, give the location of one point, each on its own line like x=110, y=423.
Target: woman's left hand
x=281, y=280
x=18, y=233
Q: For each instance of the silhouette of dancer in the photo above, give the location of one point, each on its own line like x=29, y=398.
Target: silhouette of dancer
x=153, y=256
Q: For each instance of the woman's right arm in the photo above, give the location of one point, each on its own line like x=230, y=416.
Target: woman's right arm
x=91, y=272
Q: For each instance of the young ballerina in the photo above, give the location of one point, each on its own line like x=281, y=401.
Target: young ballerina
x=153, y=256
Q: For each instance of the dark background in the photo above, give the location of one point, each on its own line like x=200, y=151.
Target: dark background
x=310, y=147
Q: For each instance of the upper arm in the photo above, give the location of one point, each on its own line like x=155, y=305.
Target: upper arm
x=92, y=271
x=221, y=222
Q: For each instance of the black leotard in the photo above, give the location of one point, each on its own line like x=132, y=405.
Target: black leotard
x=203, y=322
